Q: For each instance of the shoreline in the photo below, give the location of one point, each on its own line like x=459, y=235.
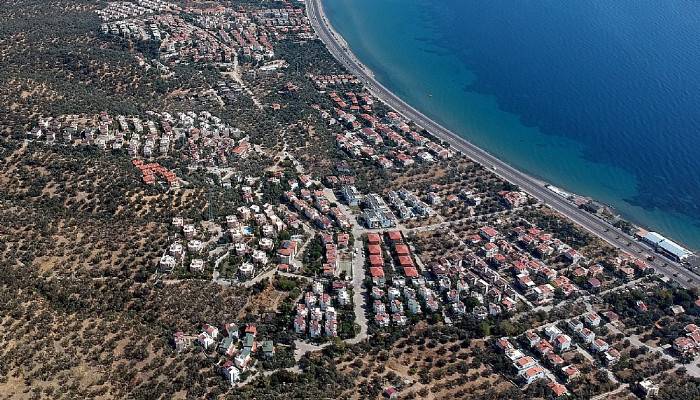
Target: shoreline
x=339, y=48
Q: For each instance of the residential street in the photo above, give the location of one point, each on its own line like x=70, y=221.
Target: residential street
x=534, y=187
x=358, y=277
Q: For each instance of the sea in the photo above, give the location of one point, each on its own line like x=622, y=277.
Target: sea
x=598, y=97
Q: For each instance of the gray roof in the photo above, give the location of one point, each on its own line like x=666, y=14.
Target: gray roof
x=674, y=248
x=653, y=237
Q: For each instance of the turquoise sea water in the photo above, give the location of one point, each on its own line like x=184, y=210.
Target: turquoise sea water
x=600, y=98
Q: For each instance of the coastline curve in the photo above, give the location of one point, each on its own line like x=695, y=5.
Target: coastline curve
x=340, y=49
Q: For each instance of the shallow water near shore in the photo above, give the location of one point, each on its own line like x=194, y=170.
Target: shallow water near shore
x=600, y=98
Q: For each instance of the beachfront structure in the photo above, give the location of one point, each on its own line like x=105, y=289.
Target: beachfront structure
x=666, y=246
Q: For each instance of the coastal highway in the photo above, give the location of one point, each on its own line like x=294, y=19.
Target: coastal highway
x=339, y=49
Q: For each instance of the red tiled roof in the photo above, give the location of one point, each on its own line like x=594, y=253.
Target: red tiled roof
x=401, y=249
x=410, y=272
x=395, y=236
x=558, y=389
x=374, y=249
x=251, y=328
x=284, y=252
x=405, y=261
x=524, y=361
x=489, y=231
x=376, y=260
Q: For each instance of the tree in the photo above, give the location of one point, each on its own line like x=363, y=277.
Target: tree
x=485, y=329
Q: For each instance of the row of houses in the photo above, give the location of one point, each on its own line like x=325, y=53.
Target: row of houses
x=254, y=231
x=394, y=296
x=529, y=370
x=253, y=234
x=513, y=199
x=495, y=255
x=317, y=208
x=525, y=257
x=408, y=206
x=544, y=245
x=389, y=140
x=152, y=171
x=332, y=248
x=445, y=283
x=235, y=345
x=124, y=9
x=405, y=291
x=316, y=315
x=688, y=345
x=191, y=249
x=215, y=34
x=209, y=141
x=583, y=329
x=324, y=81
x=177, y=254
x=252, y=250
x=376, y=214
x=284, y=21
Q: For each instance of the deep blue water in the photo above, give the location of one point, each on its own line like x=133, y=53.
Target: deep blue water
x=598, y=97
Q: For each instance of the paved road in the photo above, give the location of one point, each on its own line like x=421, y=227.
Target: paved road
x=359, y=292
x=216, y=273
x=448, y=223
x=534, y=187
x=586, y=299
x=358, y=277
x=305, y=347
